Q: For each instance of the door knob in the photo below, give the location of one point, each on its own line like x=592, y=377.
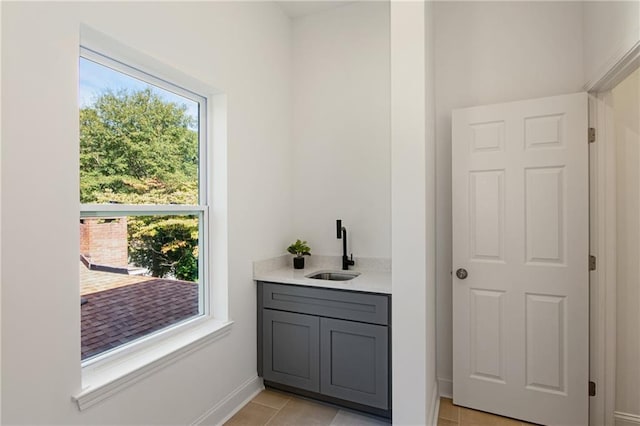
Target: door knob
x=462, y=273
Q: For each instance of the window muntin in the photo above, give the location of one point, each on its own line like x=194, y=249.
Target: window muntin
x=145, y=166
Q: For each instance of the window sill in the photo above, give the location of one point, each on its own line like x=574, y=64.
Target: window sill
x=112, y=376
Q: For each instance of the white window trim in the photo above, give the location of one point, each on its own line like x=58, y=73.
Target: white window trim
x=107, y=374
x=119, y=371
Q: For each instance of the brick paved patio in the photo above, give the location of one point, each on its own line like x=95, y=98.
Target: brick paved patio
x=121, y=308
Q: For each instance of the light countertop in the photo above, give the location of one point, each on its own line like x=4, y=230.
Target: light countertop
x=371, y=279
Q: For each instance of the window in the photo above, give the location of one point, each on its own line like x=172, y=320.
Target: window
x=143, y=204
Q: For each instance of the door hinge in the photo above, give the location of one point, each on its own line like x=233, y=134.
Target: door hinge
x=592, y=134
x=592, y=263
x=592, y=388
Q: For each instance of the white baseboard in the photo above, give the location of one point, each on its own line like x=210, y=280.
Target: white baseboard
x=446, y=387
x=225, y=409
x=626, y=419
x=434, y=407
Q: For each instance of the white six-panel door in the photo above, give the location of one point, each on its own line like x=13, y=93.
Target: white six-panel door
x=521, y=233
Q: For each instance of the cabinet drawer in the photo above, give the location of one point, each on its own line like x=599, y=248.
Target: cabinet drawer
x=363, y=307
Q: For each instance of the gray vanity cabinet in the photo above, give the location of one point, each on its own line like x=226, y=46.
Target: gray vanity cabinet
x=325, y=343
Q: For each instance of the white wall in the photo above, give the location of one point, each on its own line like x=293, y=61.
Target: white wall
x=626, y=104
x=240, y=48
x=0, y=212
x=415, y=388
x=342, y=166
x=611, y=28
x=489, y=52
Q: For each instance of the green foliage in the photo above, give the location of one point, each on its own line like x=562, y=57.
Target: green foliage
x=299, y=249
x=165, y=245
x=136, y=148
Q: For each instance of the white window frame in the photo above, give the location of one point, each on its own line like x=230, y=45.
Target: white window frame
x=201, y=210
x=106, y=374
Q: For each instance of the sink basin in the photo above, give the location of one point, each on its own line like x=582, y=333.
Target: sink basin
x=333, y=275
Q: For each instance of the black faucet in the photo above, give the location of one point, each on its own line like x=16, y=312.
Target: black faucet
x=342, y=234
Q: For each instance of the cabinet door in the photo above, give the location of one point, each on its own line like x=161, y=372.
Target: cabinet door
x=354, y=362
x=291, y=349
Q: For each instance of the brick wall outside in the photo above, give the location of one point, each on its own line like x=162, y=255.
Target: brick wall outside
x=104, y=240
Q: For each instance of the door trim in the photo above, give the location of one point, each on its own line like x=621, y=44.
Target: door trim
x=602, y=194
x=618, y=68
x=602, y=330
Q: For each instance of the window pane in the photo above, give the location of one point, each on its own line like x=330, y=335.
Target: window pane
x=138, y=275
x=138, y=142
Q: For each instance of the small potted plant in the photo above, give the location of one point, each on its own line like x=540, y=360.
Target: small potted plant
x=299, y=249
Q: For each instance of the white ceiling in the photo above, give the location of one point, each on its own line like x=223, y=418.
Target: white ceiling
x=299, y=8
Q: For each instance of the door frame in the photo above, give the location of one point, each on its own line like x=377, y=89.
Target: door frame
x=602, y=212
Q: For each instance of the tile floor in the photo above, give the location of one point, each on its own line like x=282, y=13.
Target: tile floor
x=276, y=408
x=452, y=415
